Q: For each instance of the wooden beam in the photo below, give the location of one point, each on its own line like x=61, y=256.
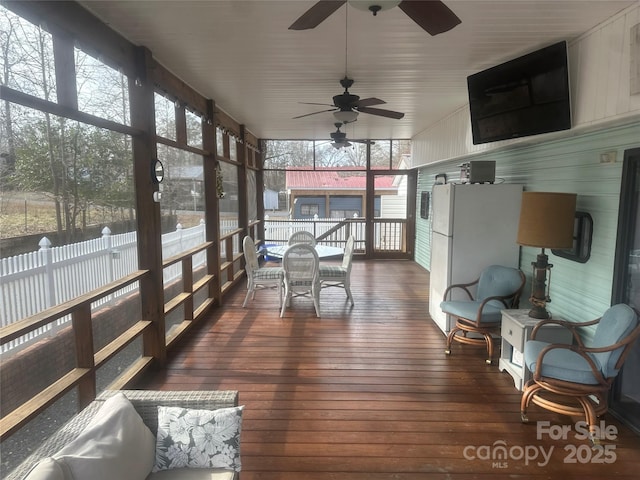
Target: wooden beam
x=243, y=204
x=12, y=421
x=211, y=202
x=93, y=35
x=175, y=87
x=24, y=326
x=65, y=66
x=21, y=98
x=83, y=336
x=181, y=125
x=148, y=212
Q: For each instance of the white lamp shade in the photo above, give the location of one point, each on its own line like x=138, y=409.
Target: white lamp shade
x=345, y=116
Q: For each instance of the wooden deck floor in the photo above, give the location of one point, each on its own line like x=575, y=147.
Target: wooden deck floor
x=367, y=393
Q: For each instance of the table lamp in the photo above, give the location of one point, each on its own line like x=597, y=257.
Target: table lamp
x=546, y=221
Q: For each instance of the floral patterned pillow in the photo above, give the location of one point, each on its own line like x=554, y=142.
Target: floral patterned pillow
x=198, y=438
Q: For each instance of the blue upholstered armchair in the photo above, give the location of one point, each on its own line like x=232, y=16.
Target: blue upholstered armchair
x=575, y=379
x=497, y=288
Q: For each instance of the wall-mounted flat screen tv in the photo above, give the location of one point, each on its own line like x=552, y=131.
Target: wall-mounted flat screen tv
x=525, y=96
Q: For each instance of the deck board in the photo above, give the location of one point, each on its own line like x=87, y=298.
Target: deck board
x=367, y=392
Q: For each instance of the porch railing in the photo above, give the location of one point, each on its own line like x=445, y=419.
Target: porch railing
x=53, y=275
x=389, y=234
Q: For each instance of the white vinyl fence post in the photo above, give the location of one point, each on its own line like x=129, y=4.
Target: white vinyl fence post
x=107, y=243
x=47, y=259
x=179, y=230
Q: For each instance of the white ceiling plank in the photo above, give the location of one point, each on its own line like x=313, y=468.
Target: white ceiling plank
x=242, y=55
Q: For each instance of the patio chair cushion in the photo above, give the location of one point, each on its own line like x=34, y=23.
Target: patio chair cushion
x=492, y=311
x=195, y=438
x=115, y=444
x=268, y=273
x=561, y=364
x=332, y=271
x=617, y=323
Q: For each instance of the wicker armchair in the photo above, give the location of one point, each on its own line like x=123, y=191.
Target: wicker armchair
x=497, y=288
x=302, y=236
x=576, y=379
x=257, y=276
x=332, y=275
x=301, y=264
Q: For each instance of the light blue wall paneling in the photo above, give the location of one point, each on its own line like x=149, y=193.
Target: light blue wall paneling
x=578, y=291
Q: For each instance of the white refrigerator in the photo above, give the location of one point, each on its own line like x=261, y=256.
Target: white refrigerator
x=472, y=226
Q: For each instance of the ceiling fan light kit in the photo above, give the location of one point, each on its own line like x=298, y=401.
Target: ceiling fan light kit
x=347, y=106
x=346, y=116
x=374, y=6
x=432, y=16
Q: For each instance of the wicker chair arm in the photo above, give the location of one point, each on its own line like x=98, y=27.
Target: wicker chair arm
x=537, y=375
x=500, y=298
x=625, y=341
x=463, y=286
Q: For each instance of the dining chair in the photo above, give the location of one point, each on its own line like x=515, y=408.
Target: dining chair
x=497, y=288
x=575, y=379
x=302, y=236
x=300, y=264
x=257, y=276
x=332, y=275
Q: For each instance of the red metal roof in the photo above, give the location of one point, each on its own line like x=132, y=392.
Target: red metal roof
x=334, y=180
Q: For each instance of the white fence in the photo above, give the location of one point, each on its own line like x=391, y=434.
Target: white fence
x=35, y=281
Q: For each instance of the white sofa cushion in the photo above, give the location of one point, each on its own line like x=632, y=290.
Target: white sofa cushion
x=198, y=438
x=46, y=469
x=116, y=444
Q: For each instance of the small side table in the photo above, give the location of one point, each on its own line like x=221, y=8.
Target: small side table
x=515, y=331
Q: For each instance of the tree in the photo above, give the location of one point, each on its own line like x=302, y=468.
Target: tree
x=76, y=164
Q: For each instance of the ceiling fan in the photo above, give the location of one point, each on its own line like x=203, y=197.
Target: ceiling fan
x=432, y=16
x=340, y=138
x=346, y=106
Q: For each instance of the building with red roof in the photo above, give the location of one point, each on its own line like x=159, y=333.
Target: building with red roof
x=334, y=193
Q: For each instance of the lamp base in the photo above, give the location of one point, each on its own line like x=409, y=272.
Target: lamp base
x=539, y=312
x=539, y=287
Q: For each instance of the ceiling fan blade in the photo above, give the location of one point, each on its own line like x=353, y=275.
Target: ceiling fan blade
x=366, y=142
x=382, y=113
x=433, y=16
x=317, y=14
x=368, y=102
x=315, y=113
x=312, y=103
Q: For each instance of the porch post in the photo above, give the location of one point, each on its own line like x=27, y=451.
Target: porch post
x=148, y=218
